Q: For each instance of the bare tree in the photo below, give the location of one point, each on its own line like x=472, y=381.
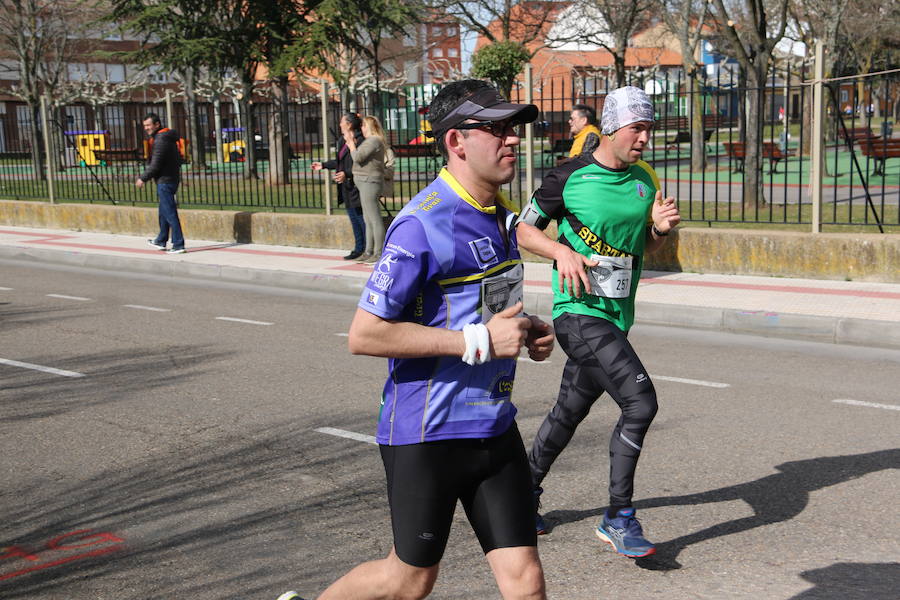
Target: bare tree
x=685, y=19
x=609, y=24
x=37, y=35
x=751, y=34
x=503, y=20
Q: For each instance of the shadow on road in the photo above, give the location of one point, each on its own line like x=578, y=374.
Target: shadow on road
x=846, y=581
x=774, y=499
x=233, y=518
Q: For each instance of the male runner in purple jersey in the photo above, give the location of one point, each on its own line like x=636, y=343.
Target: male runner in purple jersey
x=444, y=304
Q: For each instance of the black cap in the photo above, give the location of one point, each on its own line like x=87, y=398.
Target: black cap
x=486, y=105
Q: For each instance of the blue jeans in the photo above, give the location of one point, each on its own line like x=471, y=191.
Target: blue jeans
x=168, y=215
x=359, y=228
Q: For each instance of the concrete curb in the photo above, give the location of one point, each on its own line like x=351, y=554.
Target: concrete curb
x=850, y=331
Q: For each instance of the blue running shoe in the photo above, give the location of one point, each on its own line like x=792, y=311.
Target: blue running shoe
x=623, y=532
x=539, y=523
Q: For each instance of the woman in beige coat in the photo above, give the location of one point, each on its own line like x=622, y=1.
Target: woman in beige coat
x=368, y=175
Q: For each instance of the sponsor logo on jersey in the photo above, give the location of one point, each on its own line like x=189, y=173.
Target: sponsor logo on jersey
x=592, y=176
x=641, y=189
x=384, y=265
x=382, y=281
x=640, y=378
x=373, y=298
x=503, y=388
x=484, y=252
x=399, y=250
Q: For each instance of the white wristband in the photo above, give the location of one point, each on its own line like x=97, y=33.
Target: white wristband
x=478, y=344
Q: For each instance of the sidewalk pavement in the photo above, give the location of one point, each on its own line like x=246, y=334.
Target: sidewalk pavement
x=844, y=312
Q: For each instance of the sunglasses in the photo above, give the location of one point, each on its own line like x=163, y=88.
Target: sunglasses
x=500, y=129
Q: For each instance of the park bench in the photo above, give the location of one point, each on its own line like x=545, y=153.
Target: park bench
x=768, y=150
x=684, y=137
x=559, y=151
x=855, y=134
x=119, y=155
x=428, y=151
x=879, y=150
x=15, y=155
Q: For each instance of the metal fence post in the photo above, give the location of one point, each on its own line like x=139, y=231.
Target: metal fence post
x=817, y=168
x=48, y=151
x=529, y=138
x=326, y=144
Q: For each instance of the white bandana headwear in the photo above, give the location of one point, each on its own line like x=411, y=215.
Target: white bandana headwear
x=624, y=106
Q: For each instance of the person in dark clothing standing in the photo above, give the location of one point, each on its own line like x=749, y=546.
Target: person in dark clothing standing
x=343, y=176
x=165, y=168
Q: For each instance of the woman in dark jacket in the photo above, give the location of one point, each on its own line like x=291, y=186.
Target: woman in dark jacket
x=343, y=176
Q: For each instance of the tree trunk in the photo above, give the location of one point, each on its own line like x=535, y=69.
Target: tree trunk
x=198, y=156
x=248, y=123
x=37, y=157
x=753, y=197
x=698, y=131
x=279, y=146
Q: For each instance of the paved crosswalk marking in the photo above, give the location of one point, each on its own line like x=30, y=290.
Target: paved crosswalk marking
x=712, y=384
x=249, y=321
x=350, y=435
x=867, y=404
x=34, y=367
x=64, y=297
x=151, y=308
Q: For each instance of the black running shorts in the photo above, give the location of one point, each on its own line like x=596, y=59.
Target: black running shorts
x=489, y=476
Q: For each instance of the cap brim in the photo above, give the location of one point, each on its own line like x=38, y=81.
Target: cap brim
x=523, y=113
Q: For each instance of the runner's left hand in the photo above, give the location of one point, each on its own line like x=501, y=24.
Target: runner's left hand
x=539, y=340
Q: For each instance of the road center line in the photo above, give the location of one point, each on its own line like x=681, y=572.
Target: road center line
x=234, y=320
x=867, y=404
x=350, y=435
x=712, y=384
x=6, y=289
x=25, y=365
x=64, y=297
x=152, y=308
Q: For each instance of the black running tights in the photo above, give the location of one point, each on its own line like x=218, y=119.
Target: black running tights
x=600, y=359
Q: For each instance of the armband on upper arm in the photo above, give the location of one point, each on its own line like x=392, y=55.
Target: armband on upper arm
x=531, y=216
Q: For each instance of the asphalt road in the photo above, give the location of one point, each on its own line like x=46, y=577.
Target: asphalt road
x=151, y=447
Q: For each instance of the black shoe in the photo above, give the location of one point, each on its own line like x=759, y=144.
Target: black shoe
x=353, y=255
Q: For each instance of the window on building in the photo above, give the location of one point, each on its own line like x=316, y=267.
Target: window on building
x=9, y=70
x=409, y=37
x=451, y=31
x=452, y=52
x=77, y=71
x=115, y=73
x=437, y=31
x=437, y=52
x=411, y=68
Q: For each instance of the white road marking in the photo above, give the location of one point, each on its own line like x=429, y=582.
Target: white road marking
x=535, y=362
x=867, y=404
x=64, y=297
x=151, y=308
x=712, y=384
x=6, y=289
x=51, y=370
x=243, y=321
x=342, y=334
x=350, y=435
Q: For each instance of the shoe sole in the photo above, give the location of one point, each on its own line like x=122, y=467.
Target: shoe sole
x=605, y=538
x=152, y=245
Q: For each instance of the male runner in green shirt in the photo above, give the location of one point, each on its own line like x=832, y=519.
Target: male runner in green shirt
x=610, y=211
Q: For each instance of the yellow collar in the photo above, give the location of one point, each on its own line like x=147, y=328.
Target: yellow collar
x=500, y=199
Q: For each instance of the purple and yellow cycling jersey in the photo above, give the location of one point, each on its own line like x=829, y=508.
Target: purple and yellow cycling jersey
x=447, y=261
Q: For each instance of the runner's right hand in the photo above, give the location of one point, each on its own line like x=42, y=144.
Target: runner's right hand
x=570, y=266
x=508, y=331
